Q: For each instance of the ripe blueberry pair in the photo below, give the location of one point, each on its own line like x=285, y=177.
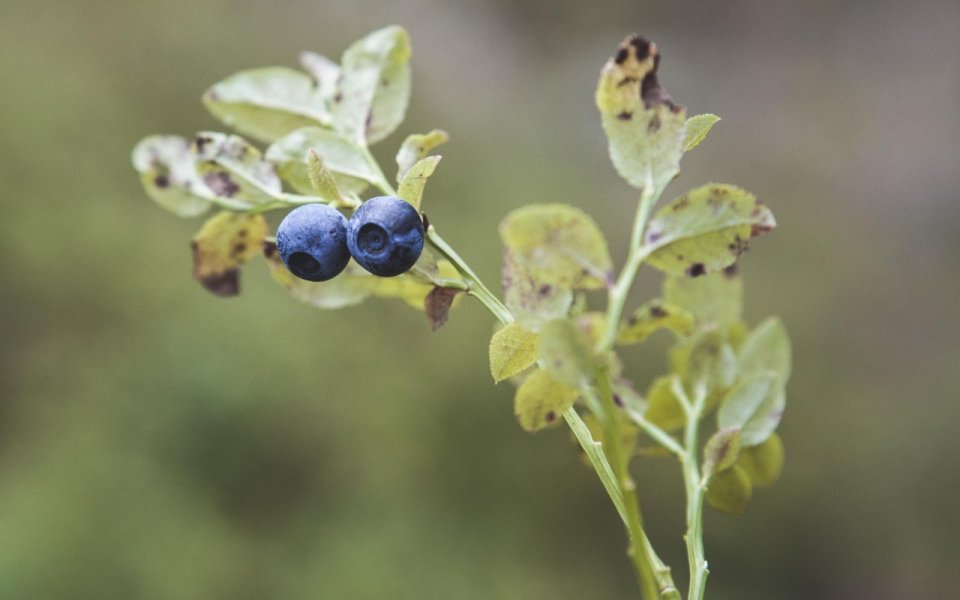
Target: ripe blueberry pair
x=384, y=236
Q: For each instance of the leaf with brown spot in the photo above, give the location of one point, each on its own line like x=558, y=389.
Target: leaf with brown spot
x=644, y=127
x=169, y=175
x=235, y=171
x=541, y=400
x=705, y=230
x=226, y=241
x=530, y=301
x=559, y=245
x=652, y=316
x=374, y=86
x=721, y=452
x=437, y=305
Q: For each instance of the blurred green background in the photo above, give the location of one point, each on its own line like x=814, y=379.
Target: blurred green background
x=159, y=442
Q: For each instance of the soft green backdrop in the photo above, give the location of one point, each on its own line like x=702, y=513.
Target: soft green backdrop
x=159, y=442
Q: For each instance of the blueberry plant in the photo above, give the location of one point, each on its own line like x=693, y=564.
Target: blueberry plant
x=726, y=381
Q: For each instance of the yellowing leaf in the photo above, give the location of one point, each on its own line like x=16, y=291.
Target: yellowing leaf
x=714, y=299
x=644, y=127
x=764, y=462
x=558, y=245
x=349, y=163
x=697, y=129
x=324, y=184
x=730, y=491
x=416, y=147
x=566, y=353
x=226, y=241
x=652, y=316
x=541, y=400
x=169, y=175
x=705, y=230
x=268, y=103
x=374, y=86
x=512, y=349
x=663, y=407
x=411, y=188
x=530, y=301
x=721, y=451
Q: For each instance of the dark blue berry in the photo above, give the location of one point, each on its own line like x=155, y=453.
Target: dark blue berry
x=312, y=242
x=385, y=236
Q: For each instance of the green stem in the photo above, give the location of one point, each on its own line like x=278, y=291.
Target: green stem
x=638, y=253
x=695, y=490
x=475, y=286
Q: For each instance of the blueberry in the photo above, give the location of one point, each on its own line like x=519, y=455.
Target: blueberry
x=312, y=242
x=385, y=236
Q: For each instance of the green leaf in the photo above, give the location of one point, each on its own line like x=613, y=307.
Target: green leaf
x=532, y=302
x=226, y=241
x=169, y=175
x=644, y=127
x=268, y=103
x=235, y=172
x=652, y=316
x=711, y=362
x=730, y=491
x=416, y=147
x=705, y=230
x=541, y=399
x=763, y=463
x=512, y=349
x=755, y=406
x=558, y=245
x=349, y=163
x=566, y=353
x=720, y=452
x=663, y=407
x=767, y=349
x=697, y=129
x=411, y=188
x=374, y=86
x=325, y=73
x=324, y=183
x=716, y=299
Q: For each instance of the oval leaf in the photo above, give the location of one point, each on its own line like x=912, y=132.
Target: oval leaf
x=541, y=400
x=374, y=86
x=705, y=230
x=755, y=406
x=169, y=175
x=268, y=103
x=512, y=349
x=663, y=407
x=644, y=127
x=411, y=188
x=714, y=299
x=652, y=316
x=349, y=163
x=416, y=147
x=566, y=353
x=558, y=245
x=234, y=171
x=697, y=129
x=730, y=491
x=532, y=302
x=226, y=241
x=767, y=349
x=764, y=462
x=720, y=452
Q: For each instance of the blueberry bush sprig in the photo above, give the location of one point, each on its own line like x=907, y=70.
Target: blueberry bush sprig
x=561, y=351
